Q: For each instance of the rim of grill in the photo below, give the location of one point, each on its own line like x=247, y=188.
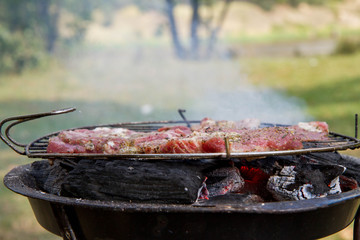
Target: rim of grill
x=37, y=148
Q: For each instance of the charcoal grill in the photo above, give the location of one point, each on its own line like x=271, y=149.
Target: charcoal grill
x=91, y=219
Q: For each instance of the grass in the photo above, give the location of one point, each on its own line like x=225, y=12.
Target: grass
x=297, y=34
x=329, y=85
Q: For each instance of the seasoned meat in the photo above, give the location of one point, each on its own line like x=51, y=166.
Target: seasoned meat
x=207, y=137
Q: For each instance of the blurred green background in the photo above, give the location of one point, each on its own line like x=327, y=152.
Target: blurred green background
x=120, y=60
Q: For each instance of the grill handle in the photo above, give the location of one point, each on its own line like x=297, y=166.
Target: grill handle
x=5, y=135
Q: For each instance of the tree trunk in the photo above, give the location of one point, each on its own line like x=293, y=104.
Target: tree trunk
x=179, y=50
x=214, y=33
x=194, y=27
x=50, y=21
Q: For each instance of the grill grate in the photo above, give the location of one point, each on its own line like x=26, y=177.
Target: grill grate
x=37, y=149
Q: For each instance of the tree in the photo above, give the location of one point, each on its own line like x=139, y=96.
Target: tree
x=196, y=22
x=179, y=50
x=34, y=26
x=49, y=12
x=213, y=26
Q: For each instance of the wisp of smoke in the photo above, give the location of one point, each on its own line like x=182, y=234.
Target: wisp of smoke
x=154, y=90
x=266, y=104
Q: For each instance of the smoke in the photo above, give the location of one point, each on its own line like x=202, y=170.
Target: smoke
x=265, y=104
x=114, y=88
x=139, y=81
x=221, y=90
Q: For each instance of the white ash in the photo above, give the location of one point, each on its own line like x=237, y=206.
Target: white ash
x=335, y=186
x=284, y=186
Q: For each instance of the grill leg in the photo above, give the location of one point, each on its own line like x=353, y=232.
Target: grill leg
x=356, y=234
x=67, y=223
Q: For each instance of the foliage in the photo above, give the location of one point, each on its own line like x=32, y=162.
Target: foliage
x=347, y=46
x=19, y=51
x=31, y=27
x=34, y=25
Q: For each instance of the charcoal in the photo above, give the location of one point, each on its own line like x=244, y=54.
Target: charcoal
x=320, y=176
x=135, y=181
x=224, y=180
x=352, y=164
x=271, y=164
x=180, y=181
x=347, y=183
x=48, y=177
x=39, y=170
x=299, y=182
